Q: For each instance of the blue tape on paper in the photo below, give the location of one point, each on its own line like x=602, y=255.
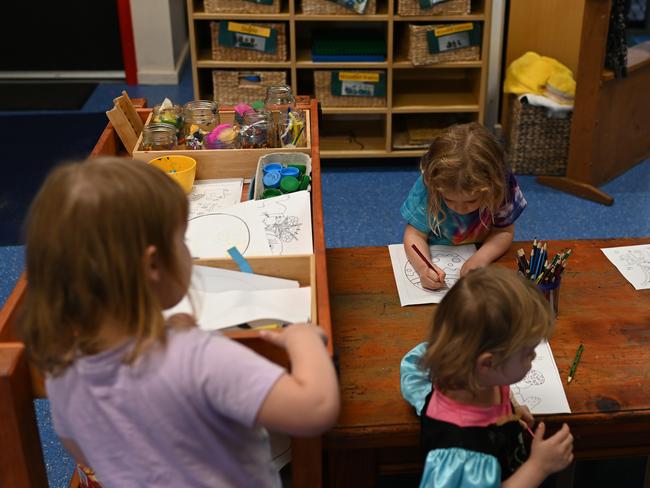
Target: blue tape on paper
x=240, y=260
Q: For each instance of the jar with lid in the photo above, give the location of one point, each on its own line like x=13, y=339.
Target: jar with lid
x=224, y=136
x=159, y=137
x=256, y=131
x=200, y=118
x=169, y=114
x=289, y=122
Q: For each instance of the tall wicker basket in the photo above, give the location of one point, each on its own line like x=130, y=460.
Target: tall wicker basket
x=418, y=48
x=537, y=144
x=451, y=7
x=233, y=87
x=240, y=7
x=227, y=53
x=323, y=92
x=329, y=7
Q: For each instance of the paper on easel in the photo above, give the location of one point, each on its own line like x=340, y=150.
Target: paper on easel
x=541, y=389
x=449, y=258
x=633, y=262
x=227, y=309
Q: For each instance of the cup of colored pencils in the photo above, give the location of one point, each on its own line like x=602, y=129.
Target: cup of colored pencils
x=544, y=271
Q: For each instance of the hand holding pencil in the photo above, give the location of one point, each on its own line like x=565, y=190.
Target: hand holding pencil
x=431, y=277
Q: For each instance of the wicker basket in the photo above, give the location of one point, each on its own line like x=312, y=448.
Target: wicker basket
x=329, y=7
x=240, y=7
x=226, y=53
x=537, y=144
x=451, y=7
x=233, y=87
x=323, y=93
x=418, y=48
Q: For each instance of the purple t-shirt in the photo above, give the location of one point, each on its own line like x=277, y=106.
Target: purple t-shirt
x=183, y=415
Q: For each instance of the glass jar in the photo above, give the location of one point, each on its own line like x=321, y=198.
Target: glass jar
x=256, y=131
x=172, y=115
x=159, y=137
x=200, y=118
x=224, y=136
x=289, y=121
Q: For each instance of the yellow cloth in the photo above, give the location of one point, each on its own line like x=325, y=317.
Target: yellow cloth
x=531, y=72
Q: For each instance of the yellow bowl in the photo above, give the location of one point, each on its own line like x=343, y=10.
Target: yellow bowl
x=180, y=168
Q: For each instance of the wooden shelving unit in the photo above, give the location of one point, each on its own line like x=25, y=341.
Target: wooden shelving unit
x=443, y=93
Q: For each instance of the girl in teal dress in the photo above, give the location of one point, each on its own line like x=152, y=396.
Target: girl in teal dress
x=482, y=340
x=466, y=194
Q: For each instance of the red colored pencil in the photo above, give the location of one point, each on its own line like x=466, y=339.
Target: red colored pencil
x=415, y=248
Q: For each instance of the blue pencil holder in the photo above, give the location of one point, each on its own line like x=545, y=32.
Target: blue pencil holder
x=552, y=293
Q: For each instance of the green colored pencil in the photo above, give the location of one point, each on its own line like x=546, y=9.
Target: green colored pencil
x=576, y=361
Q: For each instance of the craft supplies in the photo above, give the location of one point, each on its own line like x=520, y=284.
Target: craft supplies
x=223, y=136
x=256, y=131
x=201, y=117
x=182, y=169
x=419, y=253
x=546, y=275
x=289, y=122
x=159, y=137
x=295, y=166
x=286, y=178
x=576, y=361
x=169, y=113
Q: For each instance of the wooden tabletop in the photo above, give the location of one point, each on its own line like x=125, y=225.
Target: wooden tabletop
x=609, y=397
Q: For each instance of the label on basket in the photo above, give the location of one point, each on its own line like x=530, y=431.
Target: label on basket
x=247, y=36
x=425, y=4
x=453, y=37
x=358, y=84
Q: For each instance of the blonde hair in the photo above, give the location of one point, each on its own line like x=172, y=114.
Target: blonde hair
x=466, y=158
x=491, y=309
x=87, y=231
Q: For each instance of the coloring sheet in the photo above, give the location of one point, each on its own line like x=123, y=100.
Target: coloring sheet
x=633, y=262
x=449, y=258
x=541, y=389
x=208, y=196
x=287, y=223
x=211, y=235
x=215, y=280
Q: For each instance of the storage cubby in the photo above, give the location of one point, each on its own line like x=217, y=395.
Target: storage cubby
x=416, y=131
x=448, y=91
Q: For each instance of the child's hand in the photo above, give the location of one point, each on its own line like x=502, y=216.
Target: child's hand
x=280, y=338
x=433, y=279
x=524, y=415
x=472, y=263
x=552, y=454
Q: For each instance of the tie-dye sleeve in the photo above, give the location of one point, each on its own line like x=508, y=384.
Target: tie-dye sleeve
x=513, y=206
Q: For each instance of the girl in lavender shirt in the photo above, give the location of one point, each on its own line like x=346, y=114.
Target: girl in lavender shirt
x=141, y=400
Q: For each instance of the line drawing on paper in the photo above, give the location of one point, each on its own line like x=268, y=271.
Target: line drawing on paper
x=280, y=227
x=210, y=197
x=449, y=262
x=225, y=231
x=534, y=378
x=637, y=260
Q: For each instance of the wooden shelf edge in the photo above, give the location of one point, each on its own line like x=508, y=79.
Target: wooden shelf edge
x=344, y=18
x=354, y=110
x=414, y=109
x=241, y=16
x=206, y=63
x=405, y=64
x=477, y=17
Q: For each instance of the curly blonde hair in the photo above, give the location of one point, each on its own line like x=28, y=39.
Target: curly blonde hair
x=491, y=309
x=87, y=232
x=465, y=158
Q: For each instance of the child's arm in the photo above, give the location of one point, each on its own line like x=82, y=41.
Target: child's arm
x=496, y=244
x=547, y=457
x=430, y=278
x=304, y=402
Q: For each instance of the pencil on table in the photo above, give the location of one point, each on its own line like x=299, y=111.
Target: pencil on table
x=576, y=361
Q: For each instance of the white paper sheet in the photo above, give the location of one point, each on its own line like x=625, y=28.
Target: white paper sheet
x=215, y=280
x=449, y=258
x=208, y=196
x=287, y=223
x=211, y=235
x=230, y=308
x=633, y=262
x=541, y=390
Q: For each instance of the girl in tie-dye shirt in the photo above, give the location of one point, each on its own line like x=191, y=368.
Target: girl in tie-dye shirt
x=466, y=194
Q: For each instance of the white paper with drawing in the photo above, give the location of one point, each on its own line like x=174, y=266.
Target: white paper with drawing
x=541, y=389
x=449, y=258
x=211, y=235
x=287, y=223
x=633, y=262
x=208, y=196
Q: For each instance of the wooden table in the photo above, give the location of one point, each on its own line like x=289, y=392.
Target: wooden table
x=378, y=432
x=21, y=459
